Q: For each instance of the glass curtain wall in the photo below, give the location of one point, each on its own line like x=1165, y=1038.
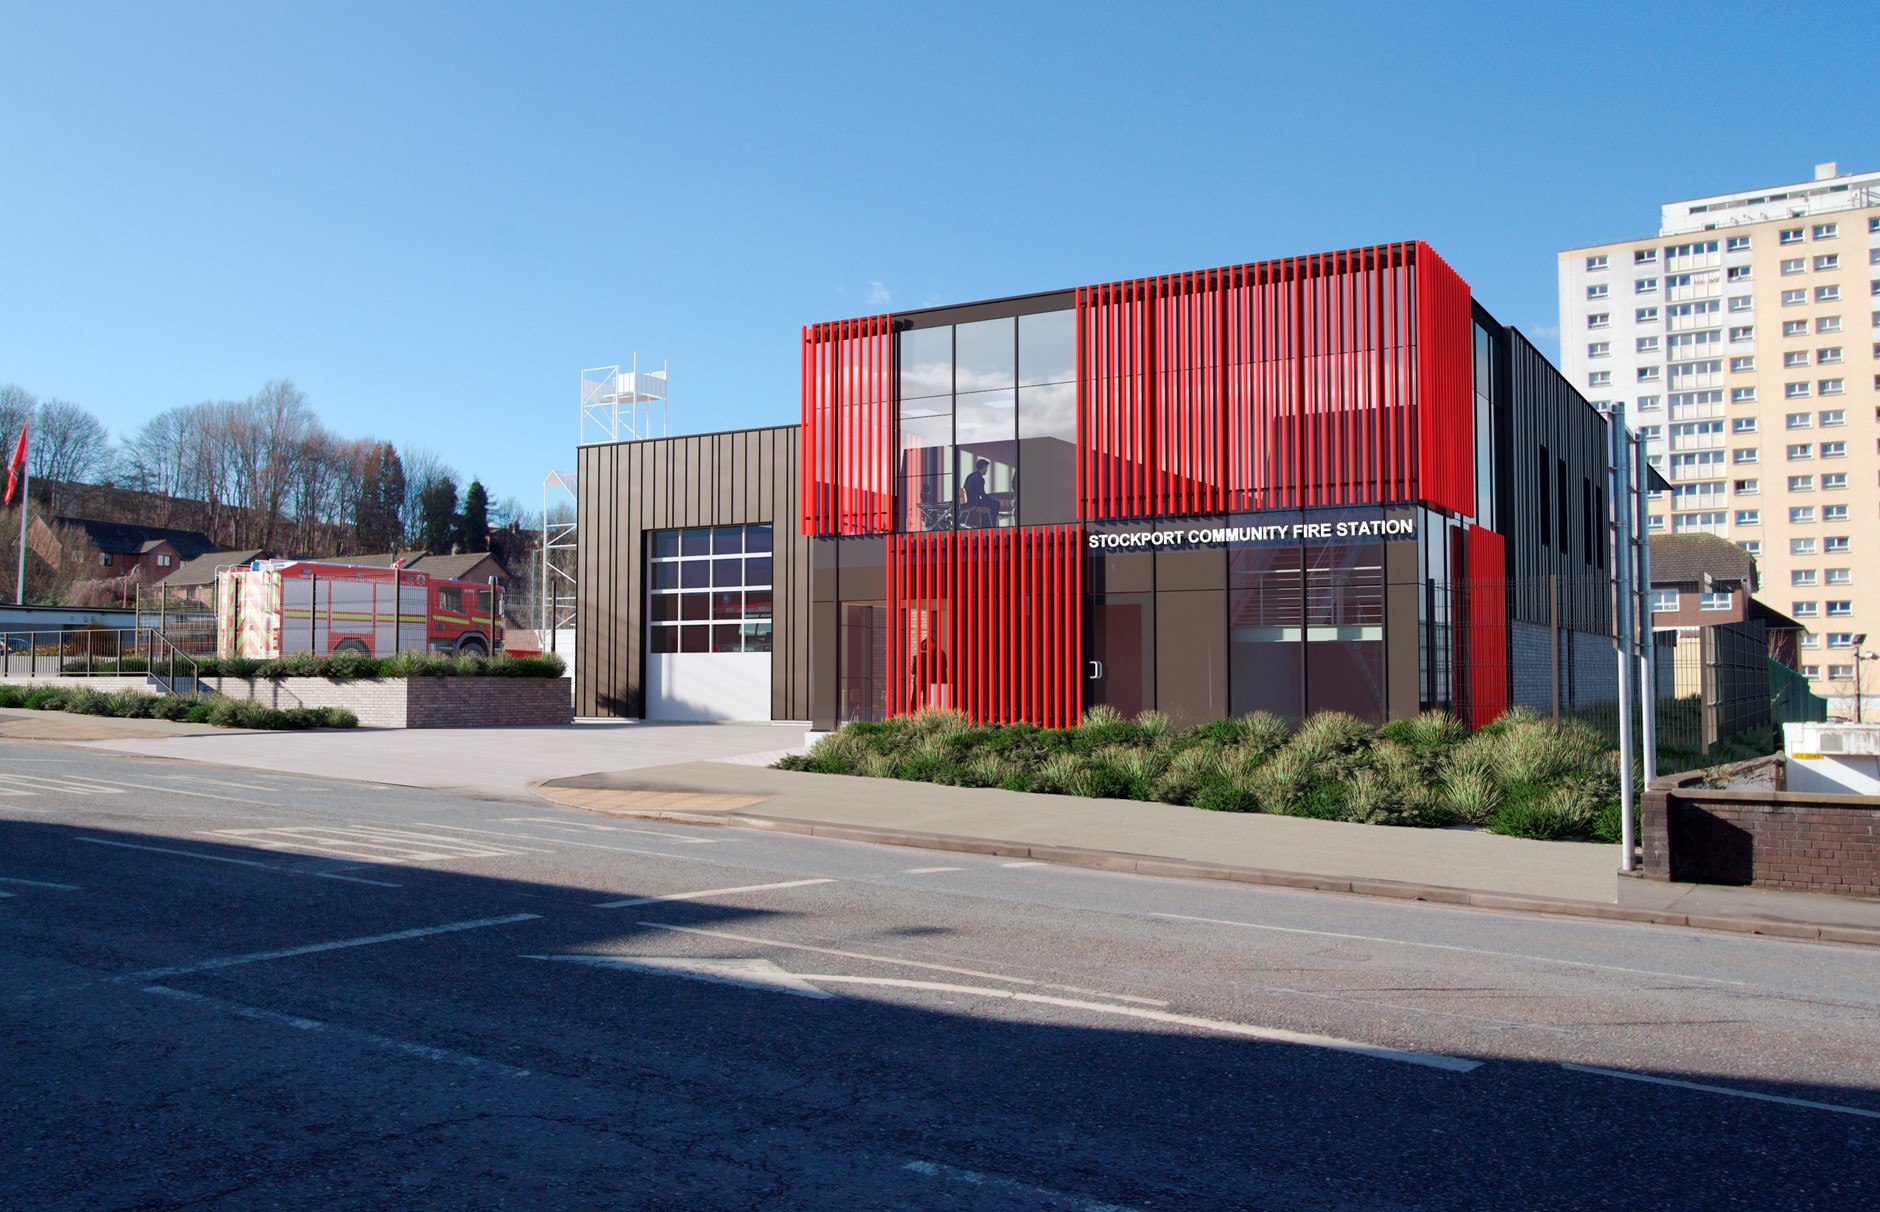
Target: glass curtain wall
x=710, y=590
x=1047, y=417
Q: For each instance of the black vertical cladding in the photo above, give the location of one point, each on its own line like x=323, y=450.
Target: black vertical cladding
x=1554, y=437
x=626, y=489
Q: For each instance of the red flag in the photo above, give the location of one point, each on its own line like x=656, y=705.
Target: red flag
x=15, y=465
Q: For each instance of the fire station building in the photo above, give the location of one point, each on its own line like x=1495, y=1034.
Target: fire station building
x=1328, y=481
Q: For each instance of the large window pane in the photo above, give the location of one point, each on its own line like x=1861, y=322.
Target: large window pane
x=1265, y=616
x=695, y=574
x=1047, y=453
x=727, y=573
x=757, y=570
x=695, y=542
x=926, y=362
x=757, y=539
x=728, y=540
x=1047, y=348
x=662, y=639
x=985, y=355
x=986, y=465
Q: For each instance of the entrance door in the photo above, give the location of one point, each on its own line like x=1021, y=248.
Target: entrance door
x=864, y=662
x=1121, y=666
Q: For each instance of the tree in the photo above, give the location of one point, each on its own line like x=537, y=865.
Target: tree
x=473, y=530
x=423, y=469
x=68, y=443
x=378, y=518
x=16, y=404
x=437, y=510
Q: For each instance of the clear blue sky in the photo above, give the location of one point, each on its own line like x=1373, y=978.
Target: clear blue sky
x=432, y=217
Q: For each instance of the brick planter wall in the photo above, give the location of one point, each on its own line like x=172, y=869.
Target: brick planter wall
x=417, y=702
x=1776, y=839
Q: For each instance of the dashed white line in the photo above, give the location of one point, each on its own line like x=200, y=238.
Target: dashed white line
x=201, y=795
x=593, y=827
x=1011, y=1186
x=928, y=870
x=235, y=862
x=706, y=892
x=568, y=841
x=1708, y=1089
x=1025, y=863
x=423, y=1051
x=39, y=884
x=257, y=957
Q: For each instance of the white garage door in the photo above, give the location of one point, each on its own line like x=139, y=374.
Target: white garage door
x=708, y=686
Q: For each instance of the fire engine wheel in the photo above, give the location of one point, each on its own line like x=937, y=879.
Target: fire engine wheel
x=472, y=645
x=355, y=646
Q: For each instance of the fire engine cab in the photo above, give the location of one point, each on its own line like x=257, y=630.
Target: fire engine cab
x=271, y=608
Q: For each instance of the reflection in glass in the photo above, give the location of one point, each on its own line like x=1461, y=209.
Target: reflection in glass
x=757, y=604
x=727, y=637
x=1265, y=613
x=1047, y=348
x=696, y=638
x=727, y=573
x=695, y=542
x=666, y=543
x=1047, y=453
x=926, y=362
x=695, y=574
x=663, y=608
x=727, y=606
x=695, y=606
x=757, y=570
x=728, y=540
x=662, y=639
x=986, y=463
x=757, y=637
x=665, y=576
x=984, y=355
x=757, y=538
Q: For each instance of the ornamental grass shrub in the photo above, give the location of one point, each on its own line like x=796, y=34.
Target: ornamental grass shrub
x=346, y=665
x=1520, y=775
x=207, y=709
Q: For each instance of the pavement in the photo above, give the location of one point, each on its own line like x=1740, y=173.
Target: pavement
x=25, y=724
x=719, y=774
x=242, y=989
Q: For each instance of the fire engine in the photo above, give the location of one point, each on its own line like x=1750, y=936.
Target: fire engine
x=271, y=608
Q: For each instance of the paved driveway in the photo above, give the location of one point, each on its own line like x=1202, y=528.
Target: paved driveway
x=499, y=762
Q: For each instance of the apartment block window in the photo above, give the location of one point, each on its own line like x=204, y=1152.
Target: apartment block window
x=1649, y=315
x=1648, y=374
x=1840, y=639
x=1603, y=378
x=1650, y=433
x=1657, y=520
x=1830, y=262
x=1747, y=454
x=1749, y=517
x=1827, y=231
x=1648, y=345
x=1742, y=303
x=1840, y=673
x=1599, y=349
x=1840, y=576
x=1835, y=481
x=1831, y=387
x=1798, y=420
x=1811, y=672
x=1795, y=391
x=1753, y=546
x=1747, y=488
x=1802, y=577
x=1648, y=404
x=1736, y=273
x=1873, y=225
x=1794, y=358
x=1664, y=601
x=1692, y=523
x=1795, y=328
x=1810, y=640
x=1644, y=286
x=1743, y=332
x=1743, y=395
x=1801, y=483
x=104, y=559
x=1802, y=450
x=1795, y=265
x=1834, y=450
x=1840, y=610
x=1800, y=515
x=1831, y=417
x=1836, y=544
x=1831, y=294
x=1791, y=236
x=1596, y=292
x=1736, y=244
x=1599, y=319
x=1802, y=547
x=1827, y=355
x=1721, y=600
x=1789, y=297
x=1834, y=513
x=1644, y=256
x=1743, y=425
x=1598, y=262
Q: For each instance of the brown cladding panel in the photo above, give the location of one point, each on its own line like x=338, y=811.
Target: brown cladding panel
x=629, y=488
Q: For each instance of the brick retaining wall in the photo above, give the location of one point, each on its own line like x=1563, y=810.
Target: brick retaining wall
x=417, y=702
x=1775, y=839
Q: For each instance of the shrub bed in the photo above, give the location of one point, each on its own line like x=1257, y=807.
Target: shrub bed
x=341, y=666
x=192, y=709
x=1520, y=775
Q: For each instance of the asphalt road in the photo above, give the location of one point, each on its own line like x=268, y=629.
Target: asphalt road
x=228, y=989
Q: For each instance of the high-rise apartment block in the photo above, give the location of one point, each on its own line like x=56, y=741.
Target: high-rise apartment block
x=1744, y=342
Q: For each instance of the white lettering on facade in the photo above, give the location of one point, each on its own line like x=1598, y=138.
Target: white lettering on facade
x=1380, y=528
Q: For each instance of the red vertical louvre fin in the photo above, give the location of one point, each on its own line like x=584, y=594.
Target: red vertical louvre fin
x=1444, y=361
x=848, y=427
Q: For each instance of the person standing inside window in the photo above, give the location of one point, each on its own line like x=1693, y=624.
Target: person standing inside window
x=976, y=506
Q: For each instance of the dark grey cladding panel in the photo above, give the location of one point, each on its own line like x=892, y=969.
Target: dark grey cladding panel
x=626, y=489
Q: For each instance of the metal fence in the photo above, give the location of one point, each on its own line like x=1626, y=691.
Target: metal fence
x=98, y=652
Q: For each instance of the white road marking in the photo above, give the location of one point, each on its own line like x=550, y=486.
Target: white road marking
x=1514, y=955
x=424, y=1051
x=367, y=843
x=928, y=870
x=1012, y=1186
x=592, y=827
x=903, y=963
x=35, y=784
x=39, y=884
x=568, y=841
x=258, y=957
x=201, y=795
x=1431, y=1060
x=744, y=973
x=222, y=858
x=190, y=778
x=703, y=893
x=9, y=895
x=1025, y=863
x=1700, y=1086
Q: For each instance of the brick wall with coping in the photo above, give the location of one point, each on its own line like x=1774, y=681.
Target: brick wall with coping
x=1773, y=839
x=417, y=702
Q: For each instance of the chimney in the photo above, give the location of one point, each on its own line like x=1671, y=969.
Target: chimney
x=1824, y=172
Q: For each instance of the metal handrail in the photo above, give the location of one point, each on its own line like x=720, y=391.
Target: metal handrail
x=161, y=656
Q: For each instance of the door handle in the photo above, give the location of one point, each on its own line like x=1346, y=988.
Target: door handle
x=1096, y=670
